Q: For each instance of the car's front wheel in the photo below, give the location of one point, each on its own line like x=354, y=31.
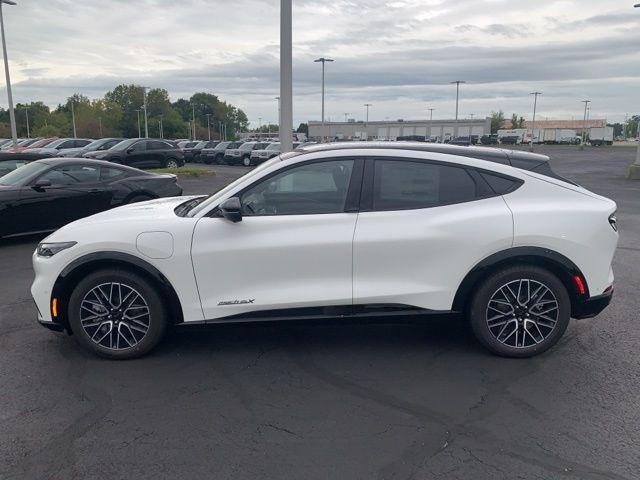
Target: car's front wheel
x=520, y=311
x=172, y=163
x=246, y=161
x=117, y=314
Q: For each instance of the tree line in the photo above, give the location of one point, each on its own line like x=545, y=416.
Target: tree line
x=116, y=115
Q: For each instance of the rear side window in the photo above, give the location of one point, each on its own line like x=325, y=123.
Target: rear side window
x=108, y=173
x=403, y=185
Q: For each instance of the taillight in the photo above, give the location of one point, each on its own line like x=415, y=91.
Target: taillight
x=613, y=221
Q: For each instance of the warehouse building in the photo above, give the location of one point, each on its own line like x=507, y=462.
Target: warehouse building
x=577, y=125
x=436, y=130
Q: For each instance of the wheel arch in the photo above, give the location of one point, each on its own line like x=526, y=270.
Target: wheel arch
x=82, y=266
x=558, y=264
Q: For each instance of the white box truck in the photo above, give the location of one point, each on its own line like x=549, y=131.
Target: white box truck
x=601, y=136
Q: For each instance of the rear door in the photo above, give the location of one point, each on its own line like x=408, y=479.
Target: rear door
x=138, y=155
x=422, y=226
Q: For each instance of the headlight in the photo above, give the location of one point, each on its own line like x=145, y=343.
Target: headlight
x=49, y=249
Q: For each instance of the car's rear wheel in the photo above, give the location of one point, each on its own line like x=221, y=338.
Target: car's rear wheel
x=246, y=161
x=520, y=311
x=117, y=314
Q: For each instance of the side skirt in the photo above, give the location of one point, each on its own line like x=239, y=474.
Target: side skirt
x=337, y=312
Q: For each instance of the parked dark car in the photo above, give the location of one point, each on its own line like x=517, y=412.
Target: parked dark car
x=489, y=139
x=242, y=153
x=47, y=194
x=197, y=150
x=54, y=148
x=216, y=154
x=142, y=153
x=187, y=148
x=95, y=146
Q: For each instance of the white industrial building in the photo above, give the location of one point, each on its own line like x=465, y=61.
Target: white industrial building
x=436, y=130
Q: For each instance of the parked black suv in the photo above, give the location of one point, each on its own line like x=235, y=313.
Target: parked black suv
x=196, y=151
x=216, y=154
x=143, y=153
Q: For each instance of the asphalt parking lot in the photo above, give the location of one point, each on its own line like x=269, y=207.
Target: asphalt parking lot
x=331, y=401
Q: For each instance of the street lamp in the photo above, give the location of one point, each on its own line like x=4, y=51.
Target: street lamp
x=12, y=115
x=144, y=106
x=457, y=82
x=278, y=100
x=26, y=112
x=193, y=112
x=323, y=60
x=208, y=115
x=430, y=121
x=73, y=119
x=584, y=123
x=533, y=122
x=161, y=126
x=634, y=169
x=286, y=73
x=139, y=130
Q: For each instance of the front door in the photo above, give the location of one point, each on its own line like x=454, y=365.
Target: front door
x=292, y=249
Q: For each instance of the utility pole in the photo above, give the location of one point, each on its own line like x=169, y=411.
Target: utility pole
x=146, y=118
x=278, y=100
x=100, y=125
x=73, y=120
x=26, y=112
x=323, y=60
x=584, y=123
x=209, y=125
x=139, y=130
x=12, y=114
x=457, y=82
x=533, y=122
x=161, y=126
x=259, y=124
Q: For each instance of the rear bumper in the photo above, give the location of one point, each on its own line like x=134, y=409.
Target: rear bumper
x=592, y=306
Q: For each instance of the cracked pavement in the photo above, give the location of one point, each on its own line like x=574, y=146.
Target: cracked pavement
x=330, y=400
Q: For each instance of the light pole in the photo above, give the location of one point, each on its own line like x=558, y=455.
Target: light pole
x=323, y=60
x=584, y=123
x=73, y=120
x=139, y=130
x=161, y=126
x=26, y=112
x=366, y=123
x=209, y=125
x=12, y=114
x=533, y=122
x=634, y=169
x=430, y=121
x=100, y=125
x=345, y=117
x=457, y=82
x=259, y=124
x=193, y=112
x=278, y=100
x=146, y=118
x=286, y=74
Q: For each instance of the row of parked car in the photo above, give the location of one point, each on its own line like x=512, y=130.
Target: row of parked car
x=245, y=153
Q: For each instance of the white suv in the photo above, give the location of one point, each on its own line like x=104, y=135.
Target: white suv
x=342, y=230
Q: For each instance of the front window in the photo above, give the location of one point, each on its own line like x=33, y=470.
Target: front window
x=313, y=188
x=247, y=146
x=274, y=147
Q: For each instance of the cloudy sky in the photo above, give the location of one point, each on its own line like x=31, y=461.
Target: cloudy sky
x=399, y=55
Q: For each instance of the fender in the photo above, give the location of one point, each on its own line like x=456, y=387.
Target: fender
x=560, y=265
x=90, y=261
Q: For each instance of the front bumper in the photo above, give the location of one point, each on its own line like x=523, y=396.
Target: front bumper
x=592, y=306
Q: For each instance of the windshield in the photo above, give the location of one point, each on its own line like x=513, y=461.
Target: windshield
x=274, y=147
x=222, y=146
x=55, y=143
x=19, y=175
x=125, y=144
x=247, y=146
x=212, y=198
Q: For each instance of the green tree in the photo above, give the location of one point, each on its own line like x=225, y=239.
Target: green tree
x=303, y=128
x=497, y=118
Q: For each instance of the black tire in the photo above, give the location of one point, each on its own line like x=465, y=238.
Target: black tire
x=220, y=159
x=537, y=334
x=139, y=198
x=246, y=161
x=135, y=343
x=172, y=163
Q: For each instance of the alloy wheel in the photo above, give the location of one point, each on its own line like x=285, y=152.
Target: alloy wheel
x=172, y=164
x=522, y=313
x=115, y=316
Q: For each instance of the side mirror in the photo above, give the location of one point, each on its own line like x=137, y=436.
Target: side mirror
x=40, y=185
x=231, y=209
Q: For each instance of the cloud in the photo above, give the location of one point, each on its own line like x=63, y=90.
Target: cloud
x=399, y=55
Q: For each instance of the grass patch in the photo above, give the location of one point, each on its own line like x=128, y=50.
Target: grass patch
x=190, y=171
